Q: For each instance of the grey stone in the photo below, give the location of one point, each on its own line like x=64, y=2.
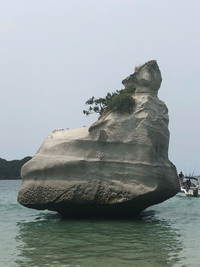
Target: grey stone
x=116, y=168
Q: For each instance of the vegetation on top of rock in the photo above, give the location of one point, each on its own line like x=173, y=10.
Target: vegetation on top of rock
x=10, y=170
x=119, y=101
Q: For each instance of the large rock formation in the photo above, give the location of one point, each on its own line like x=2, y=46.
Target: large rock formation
x=116, y=168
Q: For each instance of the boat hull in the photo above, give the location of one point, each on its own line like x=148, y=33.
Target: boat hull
x=192, y=192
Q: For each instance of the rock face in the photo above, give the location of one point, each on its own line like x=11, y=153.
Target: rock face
x=116, y=168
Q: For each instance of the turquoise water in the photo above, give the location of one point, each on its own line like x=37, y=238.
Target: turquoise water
x=164, y=235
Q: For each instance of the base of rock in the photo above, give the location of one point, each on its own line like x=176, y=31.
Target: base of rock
x=91, y=200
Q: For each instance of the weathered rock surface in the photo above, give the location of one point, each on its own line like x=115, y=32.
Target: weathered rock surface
x=116, y=168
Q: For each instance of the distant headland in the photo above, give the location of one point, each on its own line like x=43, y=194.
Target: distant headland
x=10, y=170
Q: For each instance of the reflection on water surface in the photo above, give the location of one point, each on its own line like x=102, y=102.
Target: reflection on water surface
x=51, y=241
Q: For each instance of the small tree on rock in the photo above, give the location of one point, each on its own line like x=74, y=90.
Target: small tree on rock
x=119, y=101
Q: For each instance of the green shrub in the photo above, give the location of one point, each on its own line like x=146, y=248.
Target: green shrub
x=122, y=103
x=119, y=101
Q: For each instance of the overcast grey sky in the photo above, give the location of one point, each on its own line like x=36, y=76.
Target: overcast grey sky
x=56, y=54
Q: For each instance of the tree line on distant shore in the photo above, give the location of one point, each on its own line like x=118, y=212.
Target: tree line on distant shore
x=10, y=170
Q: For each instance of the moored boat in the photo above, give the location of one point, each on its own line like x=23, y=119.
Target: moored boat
x=189, y=186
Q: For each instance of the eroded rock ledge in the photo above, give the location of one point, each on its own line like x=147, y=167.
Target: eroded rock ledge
x=116, y=168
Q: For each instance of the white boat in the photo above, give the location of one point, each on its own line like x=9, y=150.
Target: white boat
x=189, y=187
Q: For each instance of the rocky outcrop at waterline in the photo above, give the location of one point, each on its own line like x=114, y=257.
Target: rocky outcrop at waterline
x=116, y=168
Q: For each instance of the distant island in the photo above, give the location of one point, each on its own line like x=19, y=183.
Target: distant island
x=10, y=170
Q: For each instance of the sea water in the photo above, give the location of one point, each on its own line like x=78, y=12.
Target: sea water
x=167, y=234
